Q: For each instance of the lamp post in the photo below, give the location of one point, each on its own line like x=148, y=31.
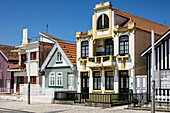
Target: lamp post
x=153, y=76
x=28, y=76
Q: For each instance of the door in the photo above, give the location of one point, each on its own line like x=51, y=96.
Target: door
x=85, y=85
x=141, y=84
x=20, y=80
x=8, y=86
x=123, y=82
x=141, y=88
x=71, y=81
x=123, y=85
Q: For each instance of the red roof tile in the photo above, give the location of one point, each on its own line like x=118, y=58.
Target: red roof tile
x=143, y=24
x=7, y=51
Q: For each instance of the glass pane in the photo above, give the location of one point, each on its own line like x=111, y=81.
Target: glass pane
x=87, y=82
x=99, y=23
x=95, y=83
x=106, y=21
x=121, y=82
x=99, y=83
x=83, y=82
x=127, y=82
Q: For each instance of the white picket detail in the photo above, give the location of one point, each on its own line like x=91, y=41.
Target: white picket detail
x=161, y=96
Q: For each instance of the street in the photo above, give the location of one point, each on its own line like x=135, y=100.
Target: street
x=8, y=106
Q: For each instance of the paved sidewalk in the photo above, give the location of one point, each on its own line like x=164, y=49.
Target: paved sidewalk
x=9, y=106
x=39, y=99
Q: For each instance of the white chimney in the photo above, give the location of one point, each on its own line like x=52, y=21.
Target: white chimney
x=25, y=36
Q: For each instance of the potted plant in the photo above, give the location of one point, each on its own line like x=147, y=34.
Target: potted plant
x=135, y=100
x=98, y=61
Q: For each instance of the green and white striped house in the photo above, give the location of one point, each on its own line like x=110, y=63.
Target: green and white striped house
x=59, y=67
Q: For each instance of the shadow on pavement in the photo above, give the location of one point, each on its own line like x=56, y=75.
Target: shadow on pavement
x=3, y=110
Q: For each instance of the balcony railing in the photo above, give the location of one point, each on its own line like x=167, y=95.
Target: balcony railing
x=13, y=66
x=16, y=66
x=102, y=54
x=99, y=59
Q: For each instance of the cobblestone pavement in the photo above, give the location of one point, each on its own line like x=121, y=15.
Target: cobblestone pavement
x=8, y=106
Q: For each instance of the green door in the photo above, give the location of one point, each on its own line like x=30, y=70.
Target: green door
x=123, y=84
x=85, y=85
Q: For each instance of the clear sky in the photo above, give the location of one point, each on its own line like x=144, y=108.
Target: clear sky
x=66, y=17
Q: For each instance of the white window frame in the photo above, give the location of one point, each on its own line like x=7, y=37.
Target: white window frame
x=70, y=75
x=60, y=77
x=59, y=57
x=52, y=77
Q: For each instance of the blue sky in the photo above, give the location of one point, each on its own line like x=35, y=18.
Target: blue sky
x=66, y=17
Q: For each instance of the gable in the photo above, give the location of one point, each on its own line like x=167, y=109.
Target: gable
x=53, y=62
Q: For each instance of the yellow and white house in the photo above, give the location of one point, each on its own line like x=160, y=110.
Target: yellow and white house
x=108, y=55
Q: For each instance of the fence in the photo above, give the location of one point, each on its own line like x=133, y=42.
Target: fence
x=142, y=97
x=40, y=91
x=6, y=90
x=113, y=99
x=162, y=95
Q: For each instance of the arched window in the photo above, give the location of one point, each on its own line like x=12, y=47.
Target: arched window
x=124, y=45
x=84, y=49
x=109, y=47
x=103, y=22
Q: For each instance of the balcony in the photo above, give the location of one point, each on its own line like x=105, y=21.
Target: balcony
x=16, y=67
x=13, y=66
x=101, y=61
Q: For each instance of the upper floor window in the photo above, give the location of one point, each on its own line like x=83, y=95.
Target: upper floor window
x=52, y=79
x=59, y=80
x=103, y=22
x=84, y=49
x=109, y=47
x=59, y=56
x=124, y=45
x=32, y=80
x=33, y=56
x=23, y=57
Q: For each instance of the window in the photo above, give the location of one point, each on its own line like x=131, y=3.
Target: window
x=32, y=80
x=71, y=80
x=109, y=47
x=59, y=80
x=124, y=45
x=103, y=22
x=23, y=57
x=96, y=80
x=59, y=56
x=109, y=80
x=52, y=79
x=84, y=49
x=33, y=56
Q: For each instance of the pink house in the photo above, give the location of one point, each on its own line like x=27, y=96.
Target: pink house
x=8, y=60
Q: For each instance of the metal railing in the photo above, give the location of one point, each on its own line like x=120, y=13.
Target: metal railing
x=99, y=59
x=5, y=90
x=113, y=99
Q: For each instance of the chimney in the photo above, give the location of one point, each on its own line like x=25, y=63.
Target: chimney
x=25, y=36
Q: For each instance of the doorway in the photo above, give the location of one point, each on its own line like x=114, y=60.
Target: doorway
x=20, y=80
x=85, y=85
x=123, y=85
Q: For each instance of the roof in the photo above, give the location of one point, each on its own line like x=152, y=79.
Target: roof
x=157, y=42
x=142, y=23
x=7, y=52
x=70, y=49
